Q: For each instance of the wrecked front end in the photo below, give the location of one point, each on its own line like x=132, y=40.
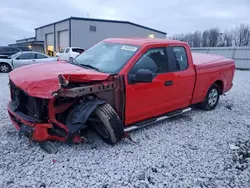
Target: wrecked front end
x=50, y=118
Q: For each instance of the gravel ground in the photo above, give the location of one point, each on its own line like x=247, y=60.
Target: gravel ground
x=198, y=149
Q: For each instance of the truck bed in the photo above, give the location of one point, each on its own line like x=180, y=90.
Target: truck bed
x=202, y=60
x=209, y=69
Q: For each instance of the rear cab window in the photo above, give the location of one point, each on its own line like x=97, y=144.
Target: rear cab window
x=177, y=58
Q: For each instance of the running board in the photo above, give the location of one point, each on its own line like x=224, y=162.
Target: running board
x=154, y=120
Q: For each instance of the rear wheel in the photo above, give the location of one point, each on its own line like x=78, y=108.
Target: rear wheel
x=212, y=98
x=108, y=124
x=5, y=68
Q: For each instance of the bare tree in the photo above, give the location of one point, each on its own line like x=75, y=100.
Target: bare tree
x=196, y=39
x=179, y=36
x=228, y=38
x=189, y=39
x=242, y=35
x=213, y=37
x=205, y=39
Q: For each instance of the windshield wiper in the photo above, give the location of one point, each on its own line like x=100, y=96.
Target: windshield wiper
x=89, y=66
x=73, y=61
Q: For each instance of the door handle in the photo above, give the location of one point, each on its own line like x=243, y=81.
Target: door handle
x=168, y=83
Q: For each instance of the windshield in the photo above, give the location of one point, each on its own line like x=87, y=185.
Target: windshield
x=15, y=55
x=107, y=57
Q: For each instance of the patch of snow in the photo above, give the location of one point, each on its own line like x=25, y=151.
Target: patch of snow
x=233, y=147
x=191, y=150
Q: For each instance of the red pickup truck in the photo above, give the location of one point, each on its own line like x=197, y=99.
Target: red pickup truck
x=116, y=86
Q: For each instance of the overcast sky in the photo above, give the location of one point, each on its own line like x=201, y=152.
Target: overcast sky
x=18, y=18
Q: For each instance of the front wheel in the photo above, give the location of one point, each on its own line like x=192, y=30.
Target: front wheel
x=108, y=125
x=5, y=68
x=212, y=98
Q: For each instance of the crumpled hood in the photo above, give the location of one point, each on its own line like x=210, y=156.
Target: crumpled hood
x=41, y=80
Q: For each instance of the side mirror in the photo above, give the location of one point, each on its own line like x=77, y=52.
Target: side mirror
x=143, y=76
x=17, y=58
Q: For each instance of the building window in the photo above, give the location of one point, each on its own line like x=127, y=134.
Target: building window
x=92, y=28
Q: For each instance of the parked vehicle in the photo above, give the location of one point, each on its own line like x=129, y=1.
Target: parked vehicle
x=23, y=58
x=116, y=86
x=69, y=53
x=6, y=51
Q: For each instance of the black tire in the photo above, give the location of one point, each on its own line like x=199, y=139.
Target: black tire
x=5, y=68
x=210, y=103
x=48, y=146
x=110, y=128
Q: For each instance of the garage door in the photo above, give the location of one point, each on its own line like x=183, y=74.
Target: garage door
x=63, y=39
x=49, y=43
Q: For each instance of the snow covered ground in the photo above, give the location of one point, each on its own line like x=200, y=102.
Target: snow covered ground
x=192, y=150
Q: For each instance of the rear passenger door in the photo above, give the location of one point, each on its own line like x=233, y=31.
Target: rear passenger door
x=180, y=79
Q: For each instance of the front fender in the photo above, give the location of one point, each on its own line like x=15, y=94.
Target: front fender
x=78, y=116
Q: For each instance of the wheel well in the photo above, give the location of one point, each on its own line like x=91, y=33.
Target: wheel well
x=220, y=84
x=5, y=64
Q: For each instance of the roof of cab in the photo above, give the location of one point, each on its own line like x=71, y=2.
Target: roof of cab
x=142, y=41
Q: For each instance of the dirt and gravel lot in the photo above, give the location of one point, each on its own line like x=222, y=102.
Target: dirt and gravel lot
x=198, y=149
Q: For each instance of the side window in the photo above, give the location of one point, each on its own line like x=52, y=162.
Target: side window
x=154, y=59
x=180, y=58
x=67, y=50
x=6, y=49
x=40, y=56
x=26, y=56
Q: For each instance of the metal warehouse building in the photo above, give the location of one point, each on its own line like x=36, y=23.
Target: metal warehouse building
x=83, y=32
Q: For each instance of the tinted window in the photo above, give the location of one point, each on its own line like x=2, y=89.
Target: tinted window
x=180, y=58
x=40, y=56
x=67, y=50
x=5, y=49
x=27, y=56
x=154, y=60
x=78, y=50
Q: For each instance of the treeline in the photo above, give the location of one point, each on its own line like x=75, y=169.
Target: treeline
x=239, y=36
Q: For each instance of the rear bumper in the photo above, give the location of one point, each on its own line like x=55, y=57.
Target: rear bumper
x=38, y=129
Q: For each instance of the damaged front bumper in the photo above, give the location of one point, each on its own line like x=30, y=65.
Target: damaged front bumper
x=35, y=128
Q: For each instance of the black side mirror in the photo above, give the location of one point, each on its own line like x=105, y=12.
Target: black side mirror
x=143, y=76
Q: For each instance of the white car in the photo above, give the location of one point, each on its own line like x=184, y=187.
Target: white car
x=69, y=53
x=24, y=58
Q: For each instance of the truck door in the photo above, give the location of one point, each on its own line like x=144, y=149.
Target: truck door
x=145, y=100
x=171, y=88
x=181, y=77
